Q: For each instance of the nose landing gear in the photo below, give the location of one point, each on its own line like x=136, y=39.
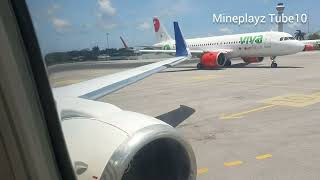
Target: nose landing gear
x=273, y=62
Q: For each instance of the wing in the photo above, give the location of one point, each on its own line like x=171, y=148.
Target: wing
x=194, y=52
x=99, y=87
x=167, y=51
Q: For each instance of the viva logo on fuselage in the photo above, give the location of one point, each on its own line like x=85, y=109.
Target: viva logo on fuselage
x=251, y=39
x=166, y=47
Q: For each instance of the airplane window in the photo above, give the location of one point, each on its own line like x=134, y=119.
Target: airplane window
x=124, y=86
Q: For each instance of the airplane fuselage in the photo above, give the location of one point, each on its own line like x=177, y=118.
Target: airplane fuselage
x=260, y=44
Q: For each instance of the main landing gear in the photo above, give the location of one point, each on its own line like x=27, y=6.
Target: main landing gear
x=228, y=63
x=199, y=66
x=273, y=62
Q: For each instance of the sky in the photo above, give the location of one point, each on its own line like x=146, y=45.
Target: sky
x=79, y=24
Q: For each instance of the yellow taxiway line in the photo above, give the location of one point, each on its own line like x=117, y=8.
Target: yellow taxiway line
x=202, y=171
x=264, y=156
x=241, y=114
x=232, y=163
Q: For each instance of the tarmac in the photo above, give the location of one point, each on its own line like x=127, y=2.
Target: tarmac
x=243, y=122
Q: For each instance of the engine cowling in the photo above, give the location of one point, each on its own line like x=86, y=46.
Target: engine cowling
x=309, y=47
x=108, y=143
x=213, y=59
x=252, y=59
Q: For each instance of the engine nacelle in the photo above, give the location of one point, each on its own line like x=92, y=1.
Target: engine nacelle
x=108, y=143
x=213, y=59
x=252, y=59
x=309, y=47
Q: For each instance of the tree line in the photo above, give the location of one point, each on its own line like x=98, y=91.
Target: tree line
x=84, y=55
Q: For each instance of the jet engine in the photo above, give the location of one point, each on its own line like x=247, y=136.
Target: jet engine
x=212, y=60
x=252, y=59
x=309, y=47
x=123, y=145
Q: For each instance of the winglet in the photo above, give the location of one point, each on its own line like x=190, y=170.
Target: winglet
x=181, y=46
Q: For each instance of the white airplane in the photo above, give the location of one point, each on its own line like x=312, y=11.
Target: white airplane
x=106, y=142
x=217, y=51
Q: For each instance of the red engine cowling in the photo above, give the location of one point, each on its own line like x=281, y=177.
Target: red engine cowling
x=213, y=59
x=252, y=59
x=309, y=47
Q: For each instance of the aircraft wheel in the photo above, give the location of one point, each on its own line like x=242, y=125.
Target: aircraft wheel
x=274, y=65
x=199, y=66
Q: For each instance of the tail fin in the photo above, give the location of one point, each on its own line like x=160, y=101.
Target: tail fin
x=124, y=43
x=181, y=45
x=161, y=32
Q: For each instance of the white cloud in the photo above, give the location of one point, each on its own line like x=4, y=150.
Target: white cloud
x=60, y=24
x=144, y=26
x=53, y=8
x=225, y=30
x=106, y=7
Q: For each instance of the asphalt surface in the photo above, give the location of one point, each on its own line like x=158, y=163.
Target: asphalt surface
x=243, y=122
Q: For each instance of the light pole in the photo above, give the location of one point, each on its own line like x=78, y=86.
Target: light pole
x=108, y=44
